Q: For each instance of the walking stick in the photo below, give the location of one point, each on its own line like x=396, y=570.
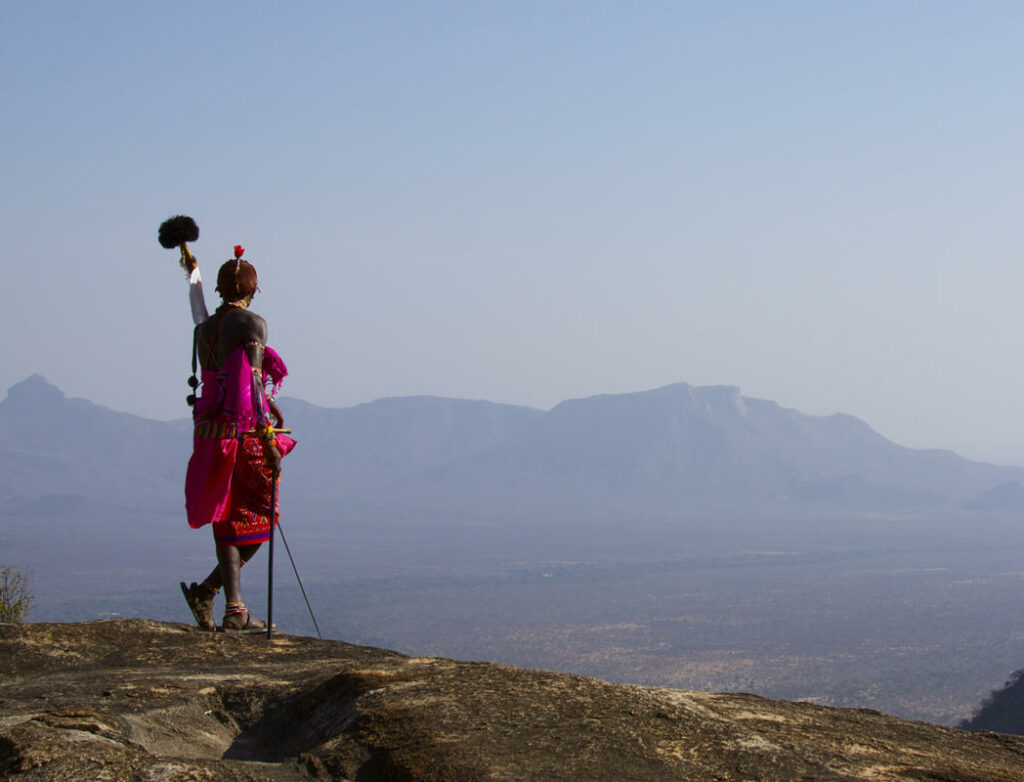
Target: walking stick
x=269, y=566
x=270, y=561
x=270, y=558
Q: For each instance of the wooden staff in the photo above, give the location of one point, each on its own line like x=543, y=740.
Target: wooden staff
x=270, y=558
x=270, y=555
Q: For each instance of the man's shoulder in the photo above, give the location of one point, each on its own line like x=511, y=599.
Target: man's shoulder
x=249, y=323
x=234, y=315
x=237, y=322
x=246, y=316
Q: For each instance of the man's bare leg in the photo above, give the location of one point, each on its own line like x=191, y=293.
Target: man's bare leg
x=228, y=573
x=230, y=560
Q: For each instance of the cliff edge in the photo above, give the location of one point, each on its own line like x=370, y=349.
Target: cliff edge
x=138, y=699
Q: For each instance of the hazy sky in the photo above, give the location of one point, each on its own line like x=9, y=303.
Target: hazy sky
x=526, y=202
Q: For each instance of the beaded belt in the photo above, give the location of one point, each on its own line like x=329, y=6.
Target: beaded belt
x=216, y=430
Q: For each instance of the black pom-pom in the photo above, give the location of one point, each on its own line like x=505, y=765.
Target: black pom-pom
x=193, y=381
x=190, y=400
x=177, y=230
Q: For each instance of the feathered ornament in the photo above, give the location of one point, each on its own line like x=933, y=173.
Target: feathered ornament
x=177, y=231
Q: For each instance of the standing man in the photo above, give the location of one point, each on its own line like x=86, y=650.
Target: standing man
x=236, y=454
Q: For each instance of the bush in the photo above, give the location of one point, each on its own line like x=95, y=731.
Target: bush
x=15, y=594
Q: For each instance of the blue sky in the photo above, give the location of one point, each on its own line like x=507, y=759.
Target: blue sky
x=528, y=202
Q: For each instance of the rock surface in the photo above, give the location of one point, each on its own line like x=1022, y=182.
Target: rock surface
x=1003, y=710
x=137, y=699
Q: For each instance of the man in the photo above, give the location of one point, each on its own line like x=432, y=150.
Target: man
x=236, y=453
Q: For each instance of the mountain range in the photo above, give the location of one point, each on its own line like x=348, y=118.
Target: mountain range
x=678, y=448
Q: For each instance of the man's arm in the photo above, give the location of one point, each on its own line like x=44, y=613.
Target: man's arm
x=196, y=299
x=254, y=338
x=255, y=341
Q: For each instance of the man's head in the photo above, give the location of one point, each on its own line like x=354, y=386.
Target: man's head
x=236, y=280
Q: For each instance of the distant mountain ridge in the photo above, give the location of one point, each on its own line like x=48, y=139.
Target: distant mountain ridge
x=55, y=446
x=681, y=446
x=675, y=448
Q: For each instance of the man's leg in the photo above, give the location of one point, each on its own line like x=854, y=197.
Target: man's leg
x=200, y=596
x=228, y=573
x=216, y=581
x=236, y=615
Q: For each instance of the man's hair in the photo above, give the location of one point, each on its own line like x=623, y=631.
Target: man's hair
x=236, y=280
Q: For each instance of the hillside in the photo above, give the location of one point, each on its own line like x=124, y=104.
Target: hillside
x=685, y=447
x=137, y=699
x=1003, y=709
x=674, y=449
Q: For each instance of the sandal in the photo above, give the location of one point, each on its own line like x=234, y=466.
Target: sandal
x=242, y=623
x=200, y=603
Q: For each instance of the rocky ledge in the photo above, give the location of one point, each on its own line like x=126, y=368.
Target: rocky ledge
x=137, y=699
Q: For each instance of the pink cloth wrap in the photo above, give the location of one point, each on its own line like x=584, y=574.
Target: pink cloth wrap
x=232, y=403
x=274, y=368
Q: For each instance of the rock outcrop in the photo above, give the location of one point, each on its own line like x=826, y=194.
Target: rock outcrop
x=1003, y=710
x=137, y=699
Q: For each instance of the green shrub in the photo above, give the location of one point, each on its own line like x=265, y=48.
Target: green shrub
x=15, y=594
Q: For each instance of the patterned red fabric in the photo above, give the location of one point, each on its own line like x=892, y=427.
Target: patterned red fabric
x=248, y=519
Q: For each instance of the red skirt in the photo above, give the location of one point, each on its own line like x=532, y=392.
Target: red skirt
x=248, y=519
